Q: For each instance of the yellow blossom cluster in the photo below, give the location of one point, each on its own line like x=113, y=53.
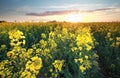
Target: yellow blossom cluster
x=43, y=35
x=51, y=34
x=84, y=63
x=118, y=41
x=17, y=38
x=34, y=65
x=43, y=43
x=32, y=68
x=82, y=68
x=5, y=72
x=27, y=74
x=58, y=65
x=84, y=39
x=54, y=54
x=52, y=43
x=113, y=41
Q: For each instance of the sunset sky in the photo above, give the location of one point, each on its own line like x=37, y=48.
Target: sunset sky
x=60, y=10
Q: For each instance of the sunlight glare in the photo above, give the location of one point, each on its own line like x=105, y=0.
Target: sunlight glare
x=73, y=18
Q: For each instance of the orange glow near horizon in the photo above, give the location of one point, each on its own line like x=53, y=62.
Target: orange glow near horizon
x=66, y=17
x=69, y=17
x=73, y=18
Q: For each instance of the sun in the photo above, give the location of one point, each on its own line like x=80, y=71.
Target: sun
x=73, y=18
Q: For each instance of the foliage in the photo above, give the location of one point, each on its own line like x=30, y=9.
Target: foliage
x=108, y=37
x=59, y=50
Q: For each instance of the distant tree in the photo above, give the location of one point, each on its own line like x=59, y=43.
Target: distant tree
x=52, y=21
x=1, y=21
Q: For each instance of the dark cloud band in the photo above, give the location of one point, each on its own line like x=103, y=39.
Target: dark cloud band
x=49, y=13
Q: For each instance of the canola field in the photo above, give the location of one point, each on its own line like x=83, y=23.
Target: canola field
x=60, y=50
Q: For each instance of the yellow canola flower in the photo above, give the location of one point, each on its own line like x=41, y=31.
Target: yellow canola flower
x=24, y=42
x=84, y=37
x=80, y=60
x=17, y=38
x=51, y=34
x=88, y=47
x=32, y=69
x=111, y=39
x=43, y=43
x=37, y=63
x=43, y=35
x=80, y=53
x=74, y=49
x=95, y=55
x=76, y=60
x=86, y=57
x=46, y=50
x=82, y=68
x=28, y=64
x=10, y=53
x=2, y=64
x=29, y=51
x=34, y=65
x=3, y=46
x=52, y=43
x=59, y=35
x=117, y=43
x=51, y=70
x=55, y=75
x=58, y=64
x=16, y=34
x=118, y=38
x=27, y=74
x=80, y=48
x=108, y=34
x=64, y=31
x=18, y=43
x=72, y=35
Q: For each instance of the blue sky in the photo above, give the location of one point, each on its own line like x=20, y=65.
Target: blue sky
x=60, y=10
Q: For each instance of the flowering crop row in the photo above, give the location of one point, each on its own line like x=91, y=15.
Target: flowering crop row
x=59, y=50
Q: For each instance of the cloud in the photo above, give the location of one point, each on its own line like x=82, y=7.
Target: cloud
x=74, y=6
x=49, y=13
x=113, y=9
x=101, y=9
